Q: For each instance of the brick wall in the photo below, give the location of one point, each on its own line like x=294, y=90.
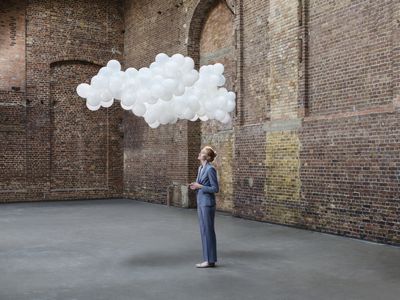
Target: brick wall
x=12, y=41
x=350, y=165
x=52, y=147
x=314, y=140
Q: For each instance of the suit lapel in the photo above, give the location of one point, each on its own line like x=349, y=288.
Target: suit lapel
x=198, y=174
x=203, y=171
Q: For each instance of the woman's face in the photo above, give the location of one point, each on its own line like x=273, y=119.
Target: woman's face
x=202, y=155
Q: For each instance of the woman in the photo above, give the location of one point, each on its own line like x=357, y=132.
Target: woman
x=206, y=186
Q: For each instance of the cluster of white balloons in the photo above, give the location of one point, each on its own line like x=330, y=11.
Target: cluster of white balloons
x=170, y=89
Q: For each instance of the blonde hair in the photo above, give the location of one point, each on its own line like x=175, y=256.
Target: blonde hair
x=211, y=154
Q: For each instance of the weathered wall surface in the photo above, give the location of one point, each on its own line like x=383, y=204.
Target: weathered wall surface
x=51, y=146
x=350, y=170
x=313, y=140
x=12, y=41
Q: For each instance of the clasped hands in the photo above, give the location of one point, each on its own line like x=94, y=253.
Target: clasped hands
x=195, y=186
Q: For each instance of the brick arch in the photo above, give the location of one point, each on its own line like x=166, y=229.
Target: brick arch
x=208, y=44
x=72, y=60
x=197, y=22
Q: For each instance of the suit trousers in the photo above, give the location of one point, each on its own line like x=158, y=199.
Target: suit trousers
x=206, y=216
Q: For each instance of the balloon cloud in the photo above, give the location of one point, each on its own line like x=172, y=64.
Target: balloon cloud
x=168, y=90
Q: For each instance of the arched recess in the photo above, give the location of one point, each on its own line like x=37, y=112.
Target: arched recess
x=62, y=59
x=211, y=39
x=197, y=22
x=78, y=136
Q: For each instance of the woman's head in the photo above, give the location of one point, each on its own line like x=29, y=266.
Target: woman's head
x=207, y=153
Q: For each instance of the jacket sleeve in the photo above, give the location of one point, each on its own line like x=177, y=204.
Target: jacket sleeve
x=212, y=176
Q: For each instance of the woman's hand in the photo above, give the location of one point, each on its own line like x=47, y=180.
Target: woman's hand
x=195, y=186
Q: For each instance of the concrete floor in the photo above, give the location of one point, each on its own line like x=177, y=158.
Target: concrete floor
x=126, y=249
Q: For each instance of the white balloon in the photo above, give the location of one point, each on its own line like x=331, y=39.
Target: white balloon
x=221, y=102
x=158, y=78
x=107, y=103
x=202, y=83
x=171, y=69
x=114, y=65
x=222, y=91
x=180, y=90
x=232, y=96
x=116, y=82
x=115, y=86
x=178, y=58
x=92, y=107
x=157, y=90
x=193, y=103
x=203, y=69
x=157, y=71
x=219, y=68
x=99, y=82
x=189, y=63
x=126, y=107
x=221, y=80
x=105, y=95
x=162, y=58
x=188, y=114
x=151, y=115
x=131, y=72
x=226, y=119
x=170, y=84
x=83, y=90
x=194, y=118
x=145, y=73
x=211, y=115
x=143, y=95
x=190, y=78
x=93, y=100
x=173, y=120
x=211, y=91
x=105, y=71
x=118, y=95
x=154, y=64
x=219, y=114
x=213, y=79
x=139, y=109
x=128, y=98
x=201, y=112
x=154, y=125
x=230, y=106
x=167, y=96
x=164, y=119
x=209, y=105
x=152, y=100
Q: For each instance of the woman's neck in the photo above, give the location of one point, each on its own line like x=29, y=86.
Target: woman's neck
x=204, y=163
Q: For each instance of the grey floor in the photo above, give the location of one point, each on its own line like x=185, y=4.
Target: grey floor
x=126, y=249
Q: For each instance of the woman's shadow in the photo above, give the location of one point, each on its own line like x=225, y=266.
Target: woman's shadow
x=235, y=256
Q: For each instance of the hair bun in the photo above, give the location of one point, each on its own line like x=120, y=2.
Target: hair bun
x=210, y=153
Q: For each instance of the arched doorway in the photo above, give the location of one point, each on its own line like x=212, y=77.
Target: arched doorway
x=212, y=40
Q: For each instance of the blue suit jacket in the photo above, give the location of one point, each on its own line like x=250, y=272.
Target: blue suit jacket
x=208, y=178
